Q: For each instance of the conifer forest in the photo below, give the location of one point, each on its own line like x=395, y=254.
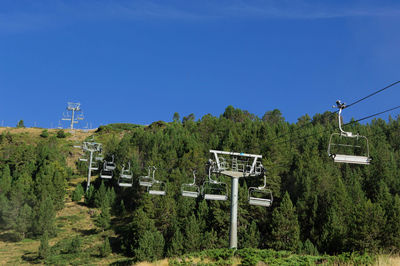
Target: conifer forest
x=322, y=211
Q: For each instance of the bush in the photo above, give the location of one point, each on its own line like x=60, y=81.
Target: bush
x=75, y=245
x=44, y=248
x=21, y=124
x=61, y=134
x=89, y=196
x=105, y=249
x=44, y=134
x=78, y=193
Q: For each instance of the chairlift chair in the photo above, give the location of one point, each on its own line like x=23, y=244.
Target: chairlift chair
x=214, y=190
x=106, y=173
x=125, y=178
x=110, y=165
x=347, y=141
x=260, y=196
x=147, y=180
x=158, y=187
x=191, y=190
x=126, y=173
x=99, y=157
x=94, y=166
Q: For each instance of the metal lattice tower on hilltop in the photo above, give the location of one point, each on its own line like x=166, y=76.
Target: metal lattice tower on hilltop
x=74, y=113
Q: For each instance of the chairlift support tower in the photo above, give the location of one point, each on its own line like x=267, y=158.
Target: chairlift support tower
x=90, y=147
x=73, y=107
x=235, y=171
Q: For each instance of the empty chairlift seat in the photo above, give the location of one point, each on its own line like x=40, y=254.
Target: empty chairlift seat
x=346, y=147
x=214, y=190
x=106, y=173
x=158, y=188
x=147, y=180
x=261, y=196
x=125, y=178
x=110, y=165
x=94, y=166
x=353, y=159
x=191, y=190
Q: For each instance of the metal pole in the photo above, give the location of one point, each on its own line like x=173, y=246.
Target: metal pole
x=90, y=171
x=72, y=119
x=234, y=211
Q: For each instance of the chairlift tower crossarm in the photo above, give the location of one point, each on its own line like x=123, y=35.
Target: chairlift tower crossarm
x=254, y=157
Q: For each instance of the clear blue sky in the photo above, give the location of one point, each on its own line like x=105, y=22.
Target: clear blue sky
x=141, y=61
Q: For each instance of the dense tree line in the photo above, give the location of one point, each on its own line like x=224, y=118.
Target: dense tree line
x=32, y=185
x=319, y=206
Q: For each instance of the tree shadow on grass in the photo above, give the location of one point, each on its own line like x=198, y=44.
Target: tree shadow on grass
x=86, y=232
x=31, y=257
x=124, y=262
x=9, y=237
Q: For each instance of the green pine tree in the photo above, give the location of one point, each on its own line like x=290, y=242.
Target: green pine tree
x=5, y=181
x=100, y=197
x=78, y=193
x=104, y=218
x=285, y=227
x=45, y=218
x=252, y=237
x=105, y=249
x=44, y=248
x=150, y=246
x=192, y=234
x=23, y=220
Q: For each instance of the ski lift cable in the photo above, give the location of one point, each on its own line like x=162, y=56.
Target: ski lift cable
x=347, y=106
x=323, y=131
x=374, y=93
x=349, y=123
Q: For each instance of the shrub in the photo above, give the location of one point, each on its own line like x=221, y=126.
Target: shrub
x=44, y=134
x=61, y=134
x=105, y=249
x=78, y=193
x=44, y=248
x=75, y=245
